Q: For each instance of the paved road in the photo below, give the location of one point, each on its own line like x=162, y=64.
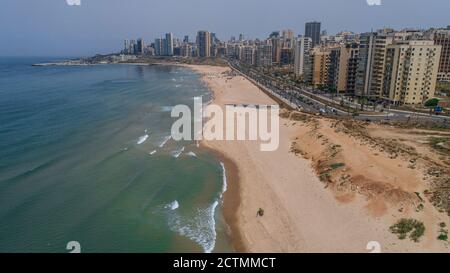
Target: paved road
x=304, y=99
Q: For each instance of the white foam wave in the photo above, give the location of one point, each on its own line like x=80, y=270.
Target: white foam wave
x=142, y=139
x=224, y=180
x=192, y=154
x=176, y=154
x=173, y=206
x=152, y=152
x=165, y=141
x=199, y=227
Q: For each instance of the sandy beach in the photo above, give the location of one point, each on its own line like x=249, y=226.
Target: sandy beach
x=301, y=212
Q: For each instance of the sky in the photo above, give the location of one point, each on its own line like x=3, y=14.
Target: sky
x=54, y=28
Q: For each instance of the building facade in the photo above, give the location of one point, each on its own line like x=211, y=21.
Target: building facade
x=442, y=38
x=370, y=71
x=411, y=71
x=204, y=44
x=312, y=30
x=320, y=66
x=342, y=68
x=301, y=53
x=248, y=55
x=159, y=49
x=264, y=55
x=169, y=44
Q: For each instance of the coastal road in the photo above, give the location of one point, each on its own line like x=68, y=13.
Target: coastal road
x=303, y=99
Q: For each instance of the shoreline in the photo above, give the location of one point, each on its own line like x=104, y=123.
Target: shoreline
x=231, y=200
x=231, y=197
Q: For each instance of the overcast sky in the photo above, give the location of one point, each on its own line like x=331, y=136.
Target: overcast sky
x=53, y=28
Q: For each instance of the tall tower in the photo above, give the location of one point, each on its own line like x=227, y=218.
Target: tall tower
x=204, y=44
x=126, y=46
x=159, y=47
x=371, y=59
x=169, y=44
x=312, y=30
x=140, y=47
x=302, y=49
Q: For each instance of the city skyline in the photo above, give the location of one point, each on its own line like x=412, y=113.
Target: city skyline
x=54, y=28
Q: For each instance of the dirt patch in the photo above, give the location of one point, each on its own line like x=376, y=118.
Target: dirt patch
x=387, y=170
x=377, y=207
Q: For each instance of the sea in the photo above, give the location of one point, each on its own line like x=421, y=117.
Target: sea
x=86, y=159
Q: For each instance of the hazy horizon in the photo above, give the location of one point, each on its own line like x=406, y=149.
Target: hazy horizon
x=53, y=28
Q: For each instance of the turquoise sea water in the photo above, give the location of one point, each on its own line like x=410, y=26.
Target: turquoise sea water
x=84, y=157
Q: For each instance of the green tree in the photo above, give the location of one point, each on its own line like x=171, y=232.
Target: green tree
x=432, y=102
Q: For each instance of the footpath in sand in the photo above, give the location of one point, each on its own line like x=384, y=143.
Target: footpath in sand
x=329, y=187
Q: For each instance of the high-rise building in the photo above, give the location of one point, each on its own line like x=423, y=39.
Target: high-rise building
x=302, y=49
x=288, y=38
x=133, y=47
x=159, y=49
x=352, y=66
x=222, y=50
x=264, y=55
x=370, y=71
x=286, y=56
x=411, y=70
x=337, y=69
x=248, y=55
x=186, y=50
x=126, y=46
x=186, y=39
x=204, y=44
x=276, y=49
x=140, y=47
x=320, y=66
x=231, y=51
x=442, y=38
x=274, y=34
x=214, y=39
x=169, y=44
x=312, y=30
x=288, y=34
x=342, y=67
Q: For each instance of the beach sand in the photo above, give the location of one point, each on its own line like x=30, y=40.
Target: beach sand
x=300, y=213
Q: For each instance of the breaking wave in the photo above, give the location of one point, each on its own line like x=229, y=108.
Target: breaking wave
x=142, y=139
x=191, y=154
x=165, y=141
x=176, y=154
x=200, y=226
x=173, y=206
x=224, y=180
